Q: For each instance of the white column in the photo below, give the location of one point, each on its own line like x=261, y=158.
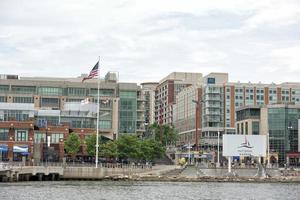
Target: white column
x=229, y=164
x=189, y=153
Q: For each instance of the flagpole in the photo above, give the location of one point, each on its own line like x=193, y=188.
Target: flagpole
x=98, y=108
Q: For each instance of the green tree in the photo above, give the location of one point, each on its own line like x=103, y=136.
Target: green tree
x=151, y=149
x=91, y=145
x=109, y=149
x=169, y=134
x=72, y=144
x=128, y=147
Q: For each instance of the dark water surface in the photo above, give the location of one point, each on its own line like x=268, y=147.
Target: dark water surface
x=81, y=190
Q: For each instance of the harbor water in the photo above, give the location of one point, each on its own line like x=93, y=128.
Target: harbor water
x=102, y=190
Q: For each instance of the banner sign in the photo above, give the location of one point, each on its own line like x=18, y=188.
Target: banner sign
x=244, y=145
x=20, y=149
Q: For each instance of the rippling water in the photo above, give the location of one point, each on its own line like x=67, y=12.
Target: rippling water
x=81, y=190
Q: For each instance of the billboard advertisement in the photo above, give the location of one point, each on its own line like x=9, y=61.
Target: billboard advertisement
x=244, y=145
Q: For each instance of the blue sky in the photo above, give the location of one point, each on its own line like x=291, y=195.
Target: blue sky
x=146, y=40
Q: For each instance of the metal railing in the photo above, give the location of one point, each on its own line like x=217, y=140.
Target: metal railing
x=9, y=165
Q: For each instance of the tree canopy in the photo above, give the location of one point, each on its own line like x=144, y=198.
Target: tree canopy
x=127, y=147
x=169, y=134
x=72, y=144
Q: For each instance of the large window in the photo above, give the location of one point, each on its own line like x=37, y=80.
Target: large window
x=255, y=128
x=55, y=137
x=23, y=89
x=3, y=99
x=102, y=92
x=105, y=124
x=50, y=102
x=23, y=99
x=80, y=122
x=3, y=134
x=39, y=137
x=4, y=88
x=50, y=91
x=21, y=135
x=76, y=92
x=128, y=94
x=15, y=115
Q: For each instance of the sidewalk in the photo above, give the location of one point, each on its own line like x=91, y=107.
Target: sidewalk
x=158, y=170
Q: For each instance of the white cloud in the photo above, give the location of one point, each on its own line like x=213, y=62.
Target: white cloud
x=146, y=40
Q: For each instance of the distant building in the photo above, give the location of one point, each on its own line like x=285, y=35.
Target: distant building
x=219, y=100
x=281, y=122
x=29, y=106
x=148, y=92
x=167, y=90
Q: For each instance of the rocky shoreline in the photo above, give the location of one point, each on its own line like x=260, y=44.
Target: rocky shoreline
x=203, y=179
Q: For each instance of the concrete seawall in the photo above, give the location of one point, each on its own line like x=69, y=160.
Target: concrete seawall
x=21, y=173
x=100, y=173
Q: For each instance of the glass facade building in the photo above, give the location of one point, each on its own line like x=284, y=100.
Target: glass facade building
x=128, y=111
x=283, y=130
x=58, y=101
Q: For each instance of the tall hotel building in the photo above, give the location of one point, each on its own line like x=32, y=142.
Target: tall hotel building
x=167, y=90
x=34, y=109
x=219, y=100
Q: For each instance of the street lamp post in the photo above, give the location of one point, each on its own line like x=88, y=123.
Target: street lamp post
x=268, y=149
x=198, y=104
x=218, y=156
x=290, y=127
x=160, y=120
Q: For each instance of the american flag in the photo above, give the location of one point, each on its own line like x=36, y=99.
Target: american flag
x=93, y=73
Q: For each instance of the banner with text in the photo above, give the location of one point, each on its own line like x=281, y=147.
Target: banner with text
x=244, y=145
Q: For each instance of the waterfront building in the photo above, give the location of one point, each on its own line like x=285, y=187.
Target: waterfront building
x=280, y=122
x=66, y=105
x=167, y=90
x=218, y=102
x=148, y=92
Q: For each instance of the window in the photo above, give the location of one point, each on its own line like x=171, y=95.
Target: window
x=4, y=88
x=102, y=92
x=211, y=80
x=23, y=99
x=105, y=124
x=39, y=137
x=3, y=134
x=55, y=137
x=50, y=91
x=23, y=89
x=3, y=99
x=21, y=135
x=49, y=102
x=15, y=115
x=76, y=92
x=255, y=128
x=242, y=128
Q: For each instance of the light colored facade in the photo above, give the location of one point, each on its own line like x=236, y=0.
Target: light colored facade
x=184, y=115
x=148, y=92
x=220, y=100
x=59, y=100
x=167, y=90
